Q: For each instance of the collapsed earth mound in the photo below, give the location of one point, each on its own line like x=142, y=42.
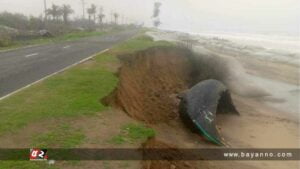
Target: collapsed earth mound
x=152, y=80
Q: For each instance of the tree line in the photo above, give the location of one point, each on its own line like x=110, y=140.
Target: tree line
x=20, y=21
x=60, y=15
x=63, y=12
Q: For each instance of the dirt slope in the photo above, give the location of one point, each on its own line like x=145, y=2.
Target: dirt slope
x=150, y=81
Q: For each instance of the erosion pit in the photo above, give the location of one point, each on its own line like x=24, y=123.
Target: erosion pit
x=150, y=81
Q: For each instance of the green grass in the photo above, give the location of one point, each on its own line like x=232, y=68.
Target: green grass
x=66, y=37
x=131, y=133
x=74, y=93
x=62, y=136
x=139, y=43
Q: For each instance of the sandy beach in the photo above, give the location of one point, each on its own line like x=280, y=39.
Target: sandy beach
x=265, y=92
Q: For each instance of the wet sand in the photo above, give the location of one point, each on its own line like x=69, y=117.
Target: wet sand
x=266, y=121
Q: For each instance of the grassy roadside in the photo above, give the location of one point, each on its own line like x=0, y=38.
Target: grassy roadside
x=66, y=37
x=70, y=94
x=132, y=132
x=74, y=92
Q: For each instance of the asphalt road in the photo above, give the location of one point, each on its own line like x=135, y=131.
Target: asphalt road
x=21, y=67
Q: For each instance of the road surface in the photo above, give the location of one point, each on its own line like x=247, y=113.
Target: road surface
x=21, y=67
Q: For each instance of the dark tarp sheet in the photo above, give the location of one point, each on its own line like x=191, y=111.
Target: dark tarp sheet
x=199, y=105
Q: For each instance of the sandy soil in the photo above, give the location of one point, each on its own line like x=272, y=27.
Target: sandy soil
x=262, y=124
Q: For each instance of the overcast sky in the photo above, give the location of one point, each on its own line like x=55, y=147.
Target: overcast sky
x=252, y=16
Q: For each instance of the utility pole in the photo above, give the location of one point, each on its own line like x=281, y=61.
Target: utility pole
x=45, y=9
x=111, y=17
x=123, y=20
x=83, y=9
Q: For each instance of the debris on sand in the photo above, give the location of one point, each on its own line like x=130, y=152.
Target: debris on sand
x=199, y=105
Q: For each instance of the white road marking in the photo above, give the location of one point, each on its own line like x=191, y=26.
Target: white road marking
x=33, y=54
x=88, y=58
x=66, y=47
x=29, y=46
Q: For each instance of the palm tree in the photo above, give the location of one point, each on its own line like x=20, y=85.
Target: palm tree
x=89, y=11
x=66, y=10
x=92, y=12
x=101, y=16
x=55, y=11
x=83, y=9
x=116, y=16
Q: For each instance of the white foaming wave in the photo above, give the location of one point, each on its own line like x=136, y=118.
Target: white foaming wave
x=277, y=42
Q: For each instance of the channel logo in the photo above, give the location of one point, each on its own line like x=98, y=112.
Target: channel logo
x=38, y=154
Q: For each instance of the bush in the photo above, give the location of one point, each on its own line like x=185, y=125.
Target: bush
x=5, y=40
x=14, y=20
